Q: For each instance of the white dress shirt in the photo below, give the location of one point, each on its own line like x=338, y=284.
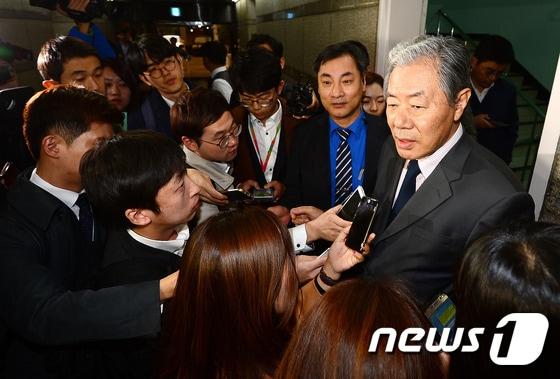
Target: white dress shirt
x=264, y=135
x=68, y=197
x=428, y=164
x=481, y=94
x=175, y=246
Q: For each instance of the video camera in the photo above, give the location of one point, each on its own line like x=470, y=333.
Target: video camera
x=95, y=8
x=299, y=98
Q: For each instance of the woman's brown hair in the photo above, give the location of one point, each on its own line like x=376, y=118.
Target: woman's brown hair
x=333, y=341
x=223, y=321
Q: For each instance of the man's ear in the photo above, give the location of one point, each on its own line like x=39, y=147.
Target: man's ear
x=190, y=144
x=144, y=79
x=461, y=102
x=280, y=87
x=49, y=83
x=282, y=63
x=138, y=217
x=51, y=145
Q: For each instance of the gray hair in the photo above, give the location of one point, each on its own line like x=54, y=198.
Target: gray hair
x=449, y=55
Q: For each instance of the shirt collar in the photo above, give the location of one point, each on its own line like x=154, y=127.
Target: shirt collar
x=428, y=164
x=68, y=197
x=356, y=127
x=217, y=71
x=480, y=94
x=175, y=246
x=272, y=121
x=170, y=103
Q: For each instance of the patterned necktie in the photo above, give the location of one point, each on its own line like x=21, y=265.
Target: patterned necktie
x=343, y=170
x=408, y=188
x=85, y=216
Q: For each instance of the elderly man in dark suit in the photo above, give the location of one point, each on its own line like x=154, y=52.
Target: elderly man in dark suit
x=438, y=189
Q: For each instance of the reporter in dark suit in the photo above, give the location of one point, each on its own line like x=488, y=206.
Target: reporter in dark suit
x=267, y=127
x=438, y=188
x=48, y=249
x=312, y=173
x=137, y=183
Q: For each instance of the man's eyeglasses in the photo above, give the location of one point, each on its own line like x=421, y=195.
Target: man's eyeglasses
x=224, y=141
x=263, y=103
x=156, y=72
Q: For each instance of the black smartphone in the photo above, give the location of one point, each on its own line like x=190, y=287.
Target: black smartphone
x=441, y=313
x=361, y=223
x=350, y=205
x=237, y=194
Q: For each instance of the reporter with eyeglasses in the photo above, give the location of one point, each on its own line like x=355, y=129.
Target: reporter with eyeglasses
x=209, y=136
x=157, y=64
x=267, y=125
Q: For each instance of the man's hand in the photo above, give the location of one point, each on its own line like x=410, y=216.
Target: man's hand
x=77, y=6
x=308, y=267
x=248, y=185
x=167, y=286
x=282, y=213
x=207, y=191
x=306, y=213
x=483, y=121
x=327, y=226
x=341, y=257
x=278, y=187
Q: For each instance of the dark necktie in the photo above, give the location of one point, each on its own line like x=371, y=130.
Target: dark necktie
x=86, y=216
x=408, y=188
x=343, y=170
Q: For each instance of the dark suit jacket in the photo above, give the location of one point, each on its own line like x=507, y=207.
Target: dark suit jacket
x=128, y=261
x=44, y=307
x=500, y=104
x=246, y=164
x=469, y=192
x=154, y=106
x=308, y=180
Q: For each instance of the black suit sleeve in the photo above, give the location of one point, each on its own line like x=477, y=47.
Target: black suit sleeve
x=37, y=306
x=294, y=175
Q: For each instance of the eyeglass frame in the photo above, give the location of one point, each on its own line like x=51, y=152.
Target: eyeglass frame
x=162, y=66
x=226, y=137
x=268, y=102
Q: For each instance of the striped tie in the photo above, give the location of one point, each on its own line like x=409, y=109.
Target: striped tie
x=343, y=169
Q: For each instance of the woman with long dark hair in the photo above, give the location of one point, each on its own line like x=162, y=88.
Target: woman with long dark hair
x=333, y=341
x=236, y=301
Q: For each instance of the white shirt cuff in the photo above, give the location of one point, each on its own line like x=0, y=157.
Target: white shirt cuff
x=299, y=239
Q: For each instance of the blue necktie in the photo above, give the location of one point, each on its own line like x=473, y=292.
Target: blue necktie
x=85, y=216
x=408, y=188
x=343, y=170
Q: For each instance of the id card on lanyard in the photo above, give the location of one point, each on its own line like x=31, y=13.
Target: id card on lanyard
x=264, y=163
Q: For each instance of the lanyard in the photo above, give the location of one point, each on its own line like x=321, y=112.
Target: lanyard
x=254, y=137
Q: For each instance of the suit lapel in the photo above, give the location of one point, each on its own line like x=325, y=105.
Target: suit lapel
x=252, y=152
x=323, y=160
x=433, y=192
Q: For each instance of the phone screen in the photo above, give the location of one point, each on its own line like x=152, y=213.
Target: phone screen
x=361, y=224
x=351, y=204
x=441, y=313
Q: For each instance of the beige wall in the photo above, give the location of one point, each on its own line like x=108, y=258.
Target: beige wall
x=315, y=25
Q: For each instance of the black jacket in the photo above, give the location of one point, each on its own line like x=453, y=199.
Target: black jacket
x=308, y=180
x=46, y=310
